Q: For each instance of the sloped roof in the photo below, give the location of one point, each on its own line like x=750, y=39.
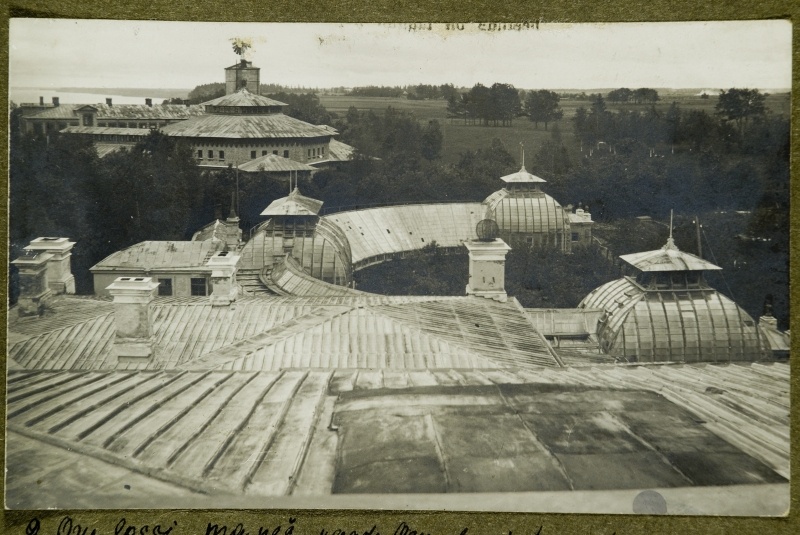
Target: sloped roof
x=288, y=278
x=171, y=112
x=668, y=258
x=273, y=163
x=243, y=98
x=161, y=255
x=108, y=130
x=270, y=333
x=522, y=176
x=338, y=151
x=294, y=204
x=276, y=125
x=314, y=432
x=564, y=321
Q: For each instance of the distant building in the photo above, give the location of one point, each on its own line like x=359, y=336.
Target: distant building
x=234, y=129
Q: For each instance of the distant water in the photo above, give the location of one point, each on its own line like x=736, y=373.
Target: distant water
x=28, y=95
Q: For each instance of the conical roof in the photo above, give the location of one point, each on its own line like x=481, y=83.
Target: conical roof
x=244, y=98
x=522, y=176
x=294, y=204
x=668, y=258
x=274, y=163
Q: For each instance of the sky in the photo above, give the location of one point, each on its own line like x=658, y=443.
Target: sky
x=101, y=53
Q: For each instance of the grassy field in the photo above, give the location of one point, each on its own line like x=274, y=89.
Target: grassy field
x=459, y=137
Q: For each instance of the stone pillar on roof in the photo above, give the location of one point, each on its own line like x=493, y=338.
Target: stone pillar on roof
x=33, y=289
x=223, y=278
x=133, y=318
x=59, y=268
x=487, y=263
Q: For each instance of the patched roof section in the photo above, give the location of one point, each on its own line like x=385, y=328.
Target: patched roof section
x=273, y=163
x=276, y=125
x=161, y=255
x=271, y=433
x=244, y=98
x=294, y=204
x=668, y=258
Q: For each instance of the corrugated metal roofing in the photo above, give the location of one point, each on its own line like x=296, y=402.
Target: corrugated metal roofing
x=664, y=325
x=375, y=232
x=273, y=163
x=361, y=332
x=270, y=433
x=271, y=126
x=170, y=112
x=108, y=130
x=338, y=151
x=295, y=204
x=243, y=98
x=161, y=255
x=668, y=258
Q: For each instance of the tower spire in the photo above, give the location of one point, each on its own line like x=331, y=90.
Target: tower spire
x=670, y=241
x=522, y=153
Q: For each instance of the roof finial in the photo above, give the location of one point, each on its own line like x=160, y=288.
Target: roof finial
x=522, y=151
x=670, y=242
x=232, y=212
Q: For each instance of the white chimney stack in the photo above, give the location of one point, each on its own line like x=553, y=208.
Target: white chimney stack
x=223, y=278
x=133, y=319
x=59, y=268
x=33, y=289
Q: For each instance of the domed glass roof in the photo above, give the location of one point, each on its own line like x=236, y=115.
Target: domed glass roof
x=526, y=212
x=641, y=325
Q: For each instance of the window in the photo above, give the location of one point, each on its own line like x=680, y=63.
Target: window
x=575, y=236
x=309, y=153
x=274, y=152
x=199, y=286
x=263, y=153
x=164, y=286
x=252, y=155
x=323, y=151
x=222, y=155
x=286, y=154
x=210, y=154
x=200, y=153
x=88, y=120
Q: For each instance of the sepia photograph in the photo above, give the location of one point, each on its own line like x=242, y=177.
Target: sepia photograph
x=526, y=267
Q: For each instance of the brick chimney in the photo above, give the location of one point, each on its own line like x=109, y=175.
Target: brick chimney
x=148, y=102
x=59, y=268
x=33, y=289
x=41, y=101
x=223, y=278
x=55, y=101
x=133, y=319
x=108, y=102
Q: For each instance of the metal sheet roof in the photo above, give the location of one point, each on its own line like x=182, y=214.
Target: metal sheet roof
x=668, y=258
x=275, y=125
x=170, y=112
x=273, y=163
x=288, y=278
x=564, y=321
x=272, y=333
x=295, y=204
x=392, y=229
x=522, y=176
x=339, y=152
x=243, y=98
x=161, y=255
x=239, y=434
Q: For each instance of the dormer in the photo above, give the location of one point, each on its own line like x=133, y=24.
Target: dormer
x=87, y=115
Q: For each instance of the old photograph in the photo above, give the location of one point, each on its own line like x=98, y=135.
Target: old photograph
x=466, y=267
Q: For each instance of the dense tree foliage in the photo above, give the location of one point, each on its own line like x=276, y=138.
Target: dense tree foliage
x=740, y=105
x=542, y=107
x=499, y=103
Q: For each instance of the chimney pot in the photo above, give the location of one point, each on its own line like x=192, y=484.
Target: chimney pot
x=41, y=101
x=149, y=102
x=33, y=289
x=133, y=319
x=60, y=279
x=108, y=102
x=223, y=278
x=55, y=101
